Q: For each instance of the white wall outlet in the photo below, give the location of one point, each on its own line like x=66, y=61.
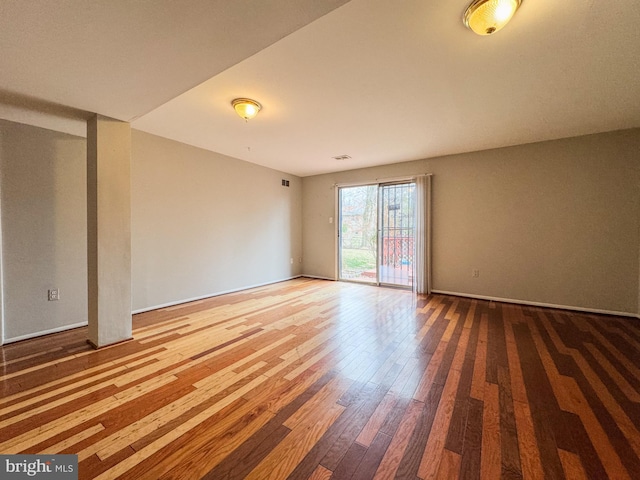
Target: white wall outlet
x=330, y=219
x=475, y=273
x=54, y=294
x=292, y=261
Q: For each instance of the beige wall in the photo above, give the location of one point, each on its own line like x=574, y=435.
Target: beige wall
x=109, y=230
x=204, y=223
x=552, y=222
x=44, y=221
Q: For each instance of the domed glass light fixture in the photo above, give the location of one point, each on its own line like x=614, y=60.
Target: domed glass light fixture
x=485, y=17
x=246, y=108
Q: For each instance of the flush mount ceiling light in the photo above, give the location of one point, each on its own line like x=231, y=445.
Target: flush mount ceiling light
x=246, y=108
x=485, y=17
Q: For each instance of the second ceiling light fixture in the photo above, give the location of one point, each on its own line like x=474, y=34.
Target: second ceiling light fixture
x=246, y=108
x=485, y=17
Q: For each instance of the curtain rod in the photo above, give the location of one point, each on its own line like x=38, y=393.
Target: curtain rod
x=383, y=180
x=408, y=177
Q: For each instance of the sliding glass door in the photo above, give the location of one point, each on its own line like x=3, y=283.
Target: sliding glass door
x=376, y=234
x=397, y=233
x=358, y=233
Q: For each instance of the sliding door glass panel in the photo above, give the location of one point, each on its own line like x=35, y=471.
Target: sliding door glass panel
x=397, y=230
x=358, y=235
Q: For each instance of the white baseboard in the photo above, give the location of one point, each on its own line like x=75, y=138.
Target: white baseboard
x=45, y=332
x=441, y=292
x=209, y=295
x=318, y=277
x=539, y=304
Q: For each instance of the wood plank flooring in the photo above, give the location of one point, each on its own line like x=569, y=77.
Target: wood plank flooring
x=309, y=379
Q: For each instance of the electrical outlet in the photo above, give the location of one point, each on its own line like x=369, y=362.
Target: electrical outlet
x=292, y=261
x=475, y=273
x=54, y=294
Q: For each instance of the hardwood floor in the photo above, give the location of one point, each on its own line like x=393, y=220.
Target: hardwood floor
x=309, y=379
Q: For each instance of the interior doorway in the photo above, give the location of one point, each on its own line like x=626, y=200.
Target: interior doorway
x=376, y=233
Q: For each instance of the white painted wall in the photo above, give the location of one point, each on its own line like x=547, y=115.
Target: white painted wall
x=204, y=223
x=43, y=199
x=553, y=222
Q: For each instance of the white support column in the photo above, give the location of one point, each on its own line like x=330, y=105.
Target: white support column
x=2, y=258
x=109, y=230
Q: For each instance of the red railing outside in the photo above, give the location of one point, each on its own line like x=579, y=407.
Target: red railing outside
x=397, y=252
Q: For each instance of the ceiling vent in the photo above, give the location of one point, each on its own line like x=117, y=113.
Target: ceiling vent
x=342, y=157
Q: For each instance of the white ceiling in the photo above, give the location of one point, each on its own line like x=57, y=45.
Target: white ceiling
x=380, y=81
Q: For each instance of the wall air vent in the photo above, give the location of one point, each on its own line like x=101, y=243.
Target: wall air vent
x=342, y=157
x=285, y=183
